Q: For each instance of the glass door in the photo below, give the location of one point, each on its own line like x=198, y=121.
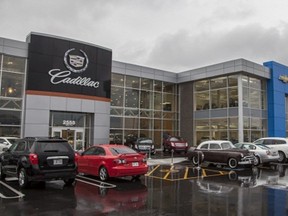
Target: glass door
x=75, y=137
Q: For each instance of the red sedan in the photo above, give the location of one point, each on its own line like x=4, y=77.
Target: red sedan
x=108, y=160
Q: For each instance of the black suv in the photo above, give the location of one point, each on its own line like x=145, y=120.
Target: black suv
x=39, y=159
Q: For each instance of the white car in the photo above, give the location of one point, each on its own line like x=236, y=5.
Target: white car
x=278, y=143
x=6, y=142
x=263, y=154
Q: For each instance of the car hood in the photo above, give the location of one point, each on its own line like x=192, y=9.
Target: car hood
x=236, y=150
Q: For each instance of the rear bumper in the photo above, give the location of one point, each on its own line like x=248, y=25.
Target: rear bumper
x=128, y=171
x=39, y=175
x=178, y=149
x=270, y=159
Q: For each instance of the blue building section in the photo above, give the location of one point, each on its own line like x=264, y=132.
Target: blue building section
x=277, y=91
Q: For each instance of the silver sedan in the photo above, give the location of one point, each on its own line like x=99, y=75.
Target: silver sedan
x=263, y=154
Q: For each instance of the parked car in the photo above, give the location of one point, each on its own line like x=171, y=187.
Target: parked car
x=115, y=138
x=220, y=152
x=175, y=143
x=145, y=145
x=263, y=154
x=108, y=160
x=39, y=159
x=6, y=142
x=278, y=143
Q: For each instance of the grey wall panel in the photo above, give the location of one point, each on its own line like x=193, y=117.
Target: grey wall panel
x=218, y=113
x=101, y=119
x=87, y=106
x=133, y=72
x=233, y=111
x=201, y=114
x=37, y=102
x=102, y=107
x=73, y=105
x=118, y=70
x=37, y=116
x=256, y=113
x=58, y=103
x=36, y=130
x=101, y=135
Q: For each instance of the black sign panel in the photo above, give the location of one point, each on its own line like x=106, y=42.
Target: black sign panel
x=59, y=65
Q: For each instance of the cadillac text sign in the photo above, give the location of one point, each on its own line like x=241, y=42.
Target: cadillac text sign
x=64, y=66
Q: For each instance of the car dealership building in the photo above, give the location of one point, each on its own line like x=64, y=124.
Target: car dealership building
x=53, y=86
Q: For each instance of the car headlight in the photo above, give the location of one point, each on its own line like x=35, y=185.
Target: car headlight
x=172, y=144
x=241, y=155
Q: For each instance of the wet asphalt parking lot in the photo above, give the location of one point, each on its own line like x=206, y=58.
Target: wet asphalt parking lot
x=171, y=187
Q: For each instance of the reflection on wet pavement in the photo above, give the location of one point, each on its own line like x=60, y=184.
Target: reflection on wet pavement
x=176, y=189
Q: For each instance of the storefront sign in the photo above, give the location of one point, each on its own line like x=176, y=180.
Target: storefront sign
x=64, y=66
x=69, y=122
x=283, y=78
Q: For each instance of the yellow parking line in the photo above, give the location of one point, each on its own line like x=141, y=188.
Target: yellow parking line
x=186, y=173
x=148, y=174
x=204, y=173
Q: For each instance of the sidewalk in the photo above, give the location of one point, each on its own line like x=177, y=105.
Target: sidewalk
x=151, y=162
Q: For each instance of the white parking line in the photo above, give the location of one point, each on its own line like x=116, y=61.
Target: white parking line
x=20, y=195
x=97, y=183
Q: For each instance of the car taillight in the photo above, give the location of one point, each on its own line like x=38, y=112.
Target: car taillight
x=120, y=161
x=33, y=159
x=76, y=156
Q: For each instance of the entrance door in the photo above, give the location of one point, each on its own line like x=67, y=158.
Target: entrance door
x=74, y=136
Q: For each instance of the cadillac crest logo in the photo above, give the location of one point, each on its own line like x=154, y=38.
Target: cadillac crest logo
x=76, y=63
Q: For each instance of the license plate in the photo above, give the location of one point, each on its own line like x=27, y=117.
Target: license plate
x=57, y=162
x=135, y=164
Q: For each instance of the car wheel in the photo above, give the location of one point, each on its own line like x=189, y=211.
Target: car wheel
x=282, y=157
x=2, y=175
x=256, y=161
x=195, y=160
x=69, y=182
x=103, y=174
x=232, y=163
x=23, y=178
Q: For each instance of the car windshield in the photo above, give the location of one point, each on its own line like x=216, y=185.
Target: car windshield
x=121, y=150
x=12, y=140
x=175, y=139
x=53, y=147
x=263, y=147
x=145, y=141
x=238, y=145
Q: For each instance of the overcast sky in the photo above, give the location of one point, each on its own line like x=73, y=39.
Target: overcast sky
x=172, y=35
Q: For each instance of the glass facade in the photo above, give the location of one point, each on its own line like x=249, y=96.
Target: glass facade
x=218, y=114
x=12, y=74
x=142, y=107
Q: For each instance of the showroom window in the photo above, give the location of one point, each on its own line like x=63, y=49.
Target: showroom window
x=12, y=75
x=142, y=107
x=217, y=99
